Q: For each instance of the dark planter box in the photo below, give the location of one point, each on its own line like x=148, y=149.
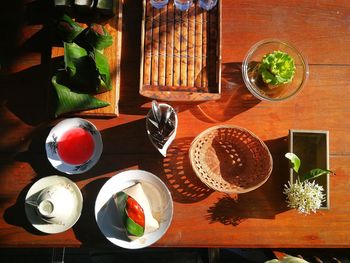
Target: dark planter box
x=312, y=147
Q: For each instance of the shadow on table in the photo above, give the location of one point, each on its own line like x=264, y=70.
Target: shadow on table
x=235, y=97
x=35, y=155
x=265, y=202
x=86, y=229
x=178, y=175
x=175, y=169
x=26, y=94
x=15, y=214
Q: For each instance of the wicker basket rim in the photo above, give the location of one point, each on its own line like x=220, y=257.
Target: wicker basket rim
x=231, y=190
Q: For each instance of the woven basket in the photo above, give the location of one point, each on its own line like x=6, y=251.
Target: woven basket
x=230, y=159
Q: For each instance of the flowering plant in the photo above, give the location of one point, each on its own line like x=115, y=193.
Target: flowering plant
x=303, y=195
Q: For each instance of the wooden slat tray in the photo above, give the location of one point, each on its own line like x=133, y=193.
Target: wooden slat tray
x=113, y=54
x=181, y=53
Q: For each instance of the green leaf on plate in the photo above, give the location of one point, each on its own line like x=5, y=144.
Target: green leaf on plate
x=133, y=228
x=69, y=101
x=314, y=173
x=294, y=160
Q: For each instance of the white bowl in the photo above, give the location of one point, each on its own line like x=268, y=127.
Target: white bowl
x=52, y=144
x=160, y=201
x=66, y=218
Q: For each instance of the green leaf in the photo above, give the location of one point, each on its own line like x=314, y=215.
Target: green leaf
x=121, y=203
x=314, y=173
x=277, y=68
x=88, y=70
x=294, y=159
x=130, y=225
x=73, y=57
x=133, y=228
x=69, y=101
x=68, y=29
x=98, y=37
x=104, y=72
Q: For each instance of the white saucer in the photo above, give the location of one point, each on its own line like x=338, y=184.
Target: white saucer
x=158, y=196
x=34, y=217
x=54, y=136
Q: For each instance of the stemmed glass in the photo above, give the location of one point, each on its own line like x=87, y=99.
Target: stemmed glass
x=207, y=4
x=159, y=3
x=183, y=5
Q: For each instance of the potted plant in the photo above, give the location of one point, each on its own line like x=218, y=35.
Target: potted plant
x=274, y=70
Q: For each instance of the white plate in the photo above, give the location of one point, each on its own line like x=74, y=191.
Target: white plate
x=158, y=196
x=34, y=217
x=54, y=136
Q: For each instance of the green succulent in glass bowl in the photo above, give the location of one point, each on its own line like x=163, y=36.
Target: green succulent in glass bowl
x=277, y=68
x=274, y=70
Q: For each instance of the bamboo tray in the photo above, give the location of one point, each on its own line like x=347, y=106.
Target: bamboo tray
x=113, y=54
x=181, y=53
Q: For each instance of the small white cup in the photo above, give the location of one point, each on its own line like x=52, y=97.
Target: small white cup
x=55, y=203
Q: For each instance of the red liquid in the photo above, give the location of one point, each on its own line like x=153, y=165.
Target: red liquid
x=76, y=146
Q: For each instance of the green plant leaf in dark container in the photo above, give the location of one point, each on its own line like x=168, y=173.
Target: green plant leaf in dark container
x=69, y=101
x=67, y=29
x=294, y=159
x=98, y=37
x=314, y=173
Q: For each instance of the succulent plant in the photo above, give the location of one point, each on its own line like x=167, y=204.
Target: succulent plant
x=277, y=68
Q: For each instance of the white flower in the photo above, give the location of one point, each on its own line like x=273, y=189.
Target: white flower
x=304, y=196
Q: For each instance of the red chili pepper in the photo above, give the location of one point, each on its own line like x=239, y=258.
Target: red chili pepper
x=135, y=211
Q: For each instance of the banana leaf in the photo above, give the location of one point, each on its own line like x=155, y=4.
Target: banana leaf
x=68, y=29
x=88, y=70
x=69, y=101
x=98, y=37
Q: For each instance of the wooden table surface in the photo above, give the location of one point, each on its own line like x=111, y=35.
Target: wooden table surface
x=202, y=218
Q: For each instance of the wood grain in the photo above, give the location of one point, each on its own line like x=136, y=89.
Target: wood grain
x=202, y=218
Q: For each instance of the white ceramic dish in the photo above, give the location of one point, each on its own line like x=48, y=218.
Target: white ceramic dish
x=158, y=196
x=54, y=137
x=33, y=215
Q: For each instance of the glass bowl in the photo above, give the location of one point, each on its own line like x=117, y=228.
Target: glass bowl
x=253, y=80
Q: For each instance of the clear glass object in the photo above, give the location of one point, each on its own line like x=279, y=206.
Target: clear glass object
x=183, y=5
x=207, y=4
x=252, y=77
x=159, y=3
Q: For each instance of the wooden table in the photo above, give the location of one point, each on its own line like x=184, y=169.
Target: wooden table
x=202, y=218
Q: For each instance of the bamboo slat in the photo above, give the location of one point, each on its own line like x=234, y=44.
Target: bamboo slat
x=198, y=47
x=181, y=51
x=177, y=46
x=148, y=46
x=184, y=47
x=170, y=46
x=162, y=46
x=155, y=46
x=191, y=45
